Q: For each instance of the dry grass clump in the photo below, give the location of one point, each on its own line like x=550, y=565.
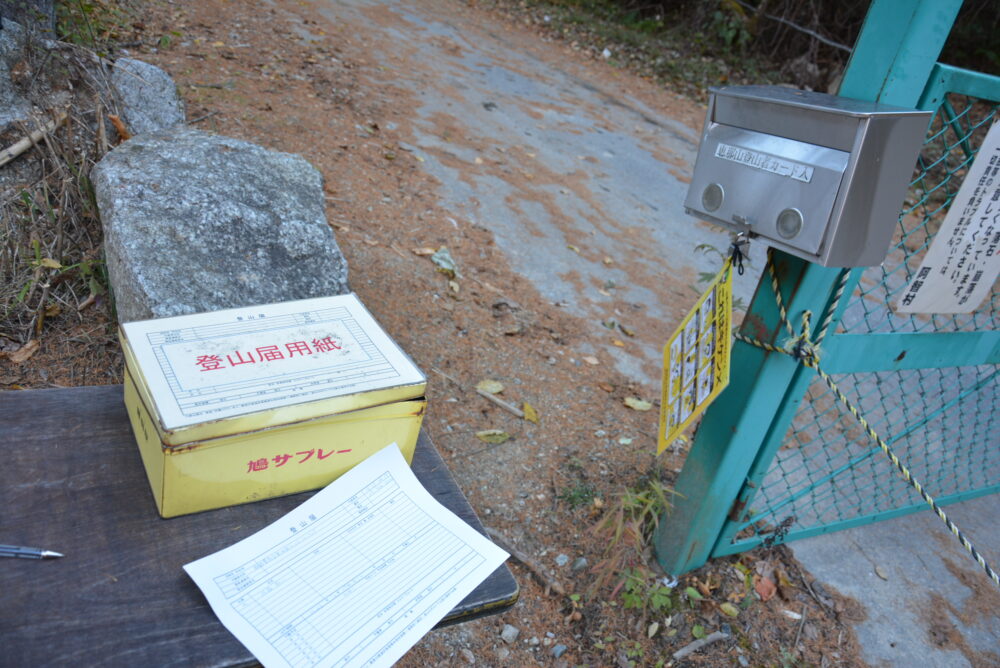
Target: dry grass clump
x=52, y=276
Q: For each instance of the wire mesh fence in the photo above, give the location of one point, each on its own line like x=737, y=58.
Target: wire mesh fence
x=942, y=422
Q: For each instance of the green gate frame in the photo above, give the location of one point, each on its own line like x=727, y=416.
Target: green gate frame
x=893, y=62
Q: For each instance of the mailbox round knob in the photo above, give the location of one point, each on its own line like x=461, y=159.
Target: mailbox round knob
x=712, y=196
x=789, y=223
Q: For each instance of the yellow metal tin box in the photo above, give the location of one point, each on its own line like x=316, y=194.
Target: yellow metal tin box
x=246, y=404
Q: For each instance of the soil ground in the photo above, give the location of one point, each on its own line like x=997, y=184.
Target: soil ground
x=279, y=74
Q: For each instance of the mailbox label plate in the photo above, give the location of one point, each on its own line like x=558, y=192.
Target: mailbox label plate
x=764, y=161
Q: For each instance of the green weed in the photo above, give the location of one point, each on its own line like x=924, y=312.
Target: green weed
x=628, y=528
x=639, y=592
x=580, y=493
x=93, y=24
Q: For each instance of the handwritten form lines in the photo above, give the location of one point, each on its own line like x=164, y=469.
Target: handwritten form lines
x=353, y=582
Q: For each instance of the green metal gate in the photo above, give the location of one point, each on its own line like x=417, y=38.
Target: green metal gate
x=777, y=457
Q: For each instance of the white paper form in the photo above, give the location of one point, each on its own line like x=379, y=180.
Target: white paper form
x=355, y=576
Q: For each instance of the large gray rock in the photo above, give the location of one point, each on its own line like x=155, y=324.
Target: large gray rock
x=148, y=96
x=13, y=106
x=38, y=15
x=196, y=222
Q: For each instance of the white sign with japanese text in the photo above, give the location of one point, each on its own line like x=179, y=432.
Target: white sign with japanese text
x=211, y=366
x=962, y=264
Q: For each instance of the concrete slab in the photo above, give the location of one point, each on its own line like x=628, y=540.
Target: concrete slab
x=928, y=603
x=565, y=171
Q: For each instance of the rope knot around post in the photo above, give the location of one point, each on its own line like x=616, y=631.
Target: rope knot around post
x=802, y=347
x=805, y=350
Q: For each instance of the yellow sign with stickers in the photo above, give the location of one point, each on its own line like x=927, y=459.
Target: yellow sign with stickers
x=696, y=358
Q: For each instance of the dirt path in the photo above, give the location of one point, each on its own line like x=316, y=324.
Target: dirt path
x=556, y=184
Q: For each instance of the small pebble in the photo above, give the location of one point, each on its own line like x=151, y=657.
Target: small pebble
x=743, y=661
x=562, y=560
x=509, y=633
x=534, y=641
x=546, y=641
x=550, y=634
x=468, y=656
x=502, y=653
x=558, y=650
x=579, y=564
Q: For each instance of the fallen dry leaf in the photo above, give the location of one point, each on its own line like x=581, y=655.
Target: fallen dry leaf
x=637, y=404
x=445, y=262
x=490, y=385
x=729, y=610
x=50, y=263
x=607, y=387
x=120, y=127
x=422, y=251
x=764, y=587
x=492, y=436
x=590, y=359
x=619, y=343
x=530, y=414
x=23, y=353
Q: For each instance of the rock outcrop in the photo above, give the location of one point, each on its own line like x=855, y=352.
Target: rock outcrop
x=14, y=106
x=148, y=96
x=197, y=222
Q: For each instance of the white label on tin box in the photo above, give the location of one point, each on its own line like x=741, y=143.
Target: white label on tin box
x=211, y=366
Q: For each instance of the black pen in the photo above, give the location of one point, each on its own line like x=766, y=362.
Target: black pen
x=27, y=552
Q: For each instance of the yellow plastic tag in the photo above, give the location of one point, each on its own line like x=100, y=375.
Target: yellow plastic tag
x=696, y=358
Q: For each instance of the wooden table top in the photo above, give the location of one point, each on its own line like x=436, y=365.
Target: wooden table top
x=71, y=480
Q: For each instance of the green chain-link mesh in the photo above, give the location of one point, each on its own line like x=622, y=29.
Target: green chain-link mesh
x=941, y=422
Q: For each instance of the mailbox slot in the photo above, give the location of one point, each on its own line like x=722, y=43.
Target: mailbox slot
x=819, y=176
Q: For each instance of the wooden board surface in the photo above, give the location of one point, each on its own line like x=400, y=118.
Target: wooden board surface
x=71, y=480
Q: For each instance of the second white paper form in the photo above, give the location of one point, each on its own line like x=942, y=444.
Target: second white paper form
x=355, y=576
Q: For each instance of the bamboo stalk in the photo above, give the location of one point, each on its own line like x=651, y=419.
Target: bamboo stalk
x=22, y=145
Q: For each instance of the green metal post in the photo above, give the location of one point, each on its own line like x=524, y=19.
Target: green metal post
x=738, y=436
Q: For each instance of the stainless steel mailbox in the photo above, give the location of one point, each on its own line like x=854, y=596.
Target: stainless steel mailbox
x=819, y=176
